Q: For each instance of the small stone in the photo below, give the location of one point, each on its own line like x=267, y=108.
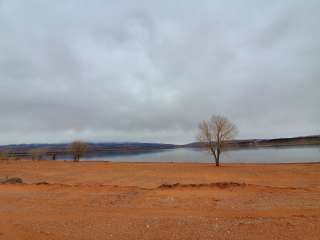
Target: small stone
x=14, y=180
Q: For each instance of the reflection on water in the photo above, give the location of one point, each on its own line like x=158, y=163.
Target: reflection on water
x=260, y=155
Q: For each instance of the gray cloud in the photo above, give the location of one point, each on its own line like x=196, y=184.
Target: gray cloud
x=123, y=71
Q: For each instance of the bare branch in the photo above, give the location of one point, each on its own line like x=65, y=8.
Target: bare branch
x=214, y=132
x=78, y=149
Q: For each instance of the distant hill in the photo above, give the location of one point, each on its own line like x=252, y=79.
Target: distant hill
x=277, y=142
x=93, y=148
x=23, y=150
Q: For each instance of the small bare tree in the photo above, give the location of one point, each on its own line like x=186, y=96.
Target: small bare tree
x=214, y=132
x=78, y=149
x=38, y=153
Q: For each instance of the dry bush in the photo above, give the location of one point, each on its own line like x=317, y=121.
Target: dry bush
x=4, y=154
x=38, y=153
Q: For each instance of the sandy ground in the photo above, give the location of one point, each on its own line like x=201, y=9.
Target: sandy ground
x=101, y=200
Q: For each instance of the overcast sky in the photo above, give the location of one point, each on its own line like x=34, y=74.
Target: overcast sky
x=150, y=70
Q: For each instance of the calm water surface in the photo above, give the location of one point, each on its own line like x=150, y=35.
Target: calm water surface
x=260, y=155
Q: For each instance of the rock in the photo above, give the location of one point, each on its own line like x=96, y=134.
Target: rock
x=14, y=180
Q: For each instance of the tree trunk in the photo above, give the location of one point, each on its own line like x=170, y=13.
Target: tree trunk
x=218, y=160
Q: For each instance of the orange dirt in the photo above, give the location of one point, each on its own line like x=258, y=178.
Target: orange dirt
x=101, y=200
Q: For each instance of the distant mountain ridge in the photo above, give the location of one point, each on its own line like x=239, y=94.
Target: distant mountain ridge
x=112, y=147
x=137, y=147
x=275, y=142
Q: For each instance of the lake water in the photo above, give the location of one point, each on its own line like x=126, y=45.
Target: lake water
x=260, y=155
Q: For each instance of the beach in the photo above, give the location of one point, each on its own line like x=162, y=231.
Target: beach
x=105, y=200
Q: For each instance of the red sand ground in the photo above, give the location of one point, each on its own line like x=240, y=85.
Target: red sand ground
x=101, y=200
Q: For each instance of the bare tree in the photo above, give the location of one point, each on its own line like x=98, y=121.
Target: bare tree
x=214, y=132
x=38, y=153
x=78, y=149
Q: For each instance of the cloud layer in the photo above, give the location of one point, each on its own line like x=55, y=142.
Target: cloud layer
x=122, y=71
